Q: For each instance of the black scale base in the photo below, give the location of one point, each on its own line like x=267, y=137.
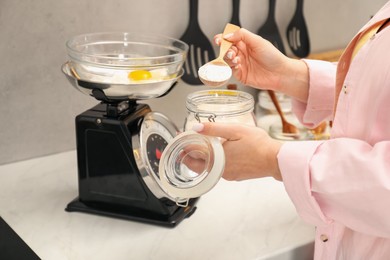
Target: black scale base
x=110, y=184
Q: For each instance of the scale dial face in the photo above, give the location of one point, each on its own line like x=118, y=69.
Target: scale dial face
x=155, y=133
x=156, y=141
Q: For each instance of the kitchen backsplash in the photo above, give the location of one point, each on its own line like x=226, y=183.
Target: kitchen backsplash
x=38, y=105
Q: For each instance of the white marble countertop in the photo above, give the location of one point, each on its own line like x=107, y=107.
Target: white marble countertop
x=236, y=220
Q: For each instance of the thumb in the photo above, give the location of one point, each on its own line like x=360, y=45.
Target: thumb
x=226, y=131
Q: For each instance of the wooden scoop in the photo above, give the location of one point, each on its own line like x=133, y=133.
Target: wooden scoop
x=224, y=70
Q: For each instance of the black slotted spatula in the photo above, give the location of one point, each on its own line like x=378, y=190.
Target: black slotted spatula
x=297, y=34
x=200, y=49
x=269, y=30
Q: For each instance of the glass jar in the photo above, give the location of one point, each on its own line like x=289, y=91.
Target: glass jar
x=219, y=105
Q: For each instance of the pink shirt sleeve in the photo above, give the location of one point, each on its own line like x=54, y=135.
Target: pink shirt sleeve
x=295, y=169
x=321, y=95
x=339, y=179
x=295, y=166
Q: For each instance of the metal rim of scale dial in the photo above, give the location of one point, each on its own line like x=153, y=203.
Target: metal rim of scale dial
x=155, y=127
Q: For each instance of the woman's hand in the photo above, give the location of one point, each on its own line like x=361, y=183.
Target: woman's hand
x=257, y=63
x=249, y=151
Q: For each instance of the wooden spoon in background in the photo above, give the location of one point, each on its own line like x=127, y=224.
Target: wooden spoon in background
x=287, y=127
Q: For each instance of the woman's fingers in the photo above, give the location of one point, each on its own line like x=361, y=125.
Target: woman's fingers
x=226, y=131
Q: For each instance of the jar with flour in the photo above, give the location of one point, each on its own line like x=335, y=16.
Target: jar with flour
x=219, y=105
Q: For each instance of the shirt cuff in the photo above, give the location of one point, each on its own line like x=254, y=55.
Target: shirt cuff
x=320, y=102
x=294, y=163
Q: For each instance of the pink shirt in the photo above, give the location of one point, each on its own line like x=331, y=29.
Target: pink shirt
x=342, y=185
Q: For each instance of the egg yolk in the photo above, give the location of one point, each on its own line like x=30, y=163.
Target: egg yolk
x=139, y=75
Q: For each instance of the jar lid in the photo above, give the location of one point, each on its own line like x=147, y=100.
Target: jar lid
x=190, y=166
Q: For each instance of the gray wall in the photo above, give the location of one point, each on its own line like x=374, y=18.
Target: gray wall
x=38, y=105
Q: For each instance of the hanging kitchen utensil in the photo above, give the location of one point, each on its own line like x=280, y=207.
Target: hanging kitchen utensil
x=236, y=13
x=200, y=49
x=297, y=34
x=269, y=30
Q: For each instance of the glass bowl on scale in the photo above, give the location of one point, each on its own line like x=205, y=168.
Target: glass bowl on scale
x=124, y=65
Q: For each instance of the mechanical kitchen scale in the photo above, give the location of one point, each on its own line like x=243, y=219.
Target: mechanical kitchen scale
x=134, y=163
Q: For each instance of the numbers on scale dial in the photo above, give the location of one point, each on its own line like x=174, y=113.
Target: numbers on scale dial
x=155, y=146
x=156, y=142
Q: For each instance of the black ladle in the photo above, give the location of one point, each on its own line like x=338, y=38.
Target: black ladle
x=269, y=30
x=297, y=34
x=236, y=13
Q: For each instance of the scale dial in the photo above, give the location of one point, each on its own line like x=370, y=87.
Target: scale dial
x=156, y=139
x=155, y=133
x=155, y=145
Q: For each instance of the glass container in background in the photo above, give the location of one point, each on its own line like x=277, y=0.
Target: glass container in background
x=269, y=120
